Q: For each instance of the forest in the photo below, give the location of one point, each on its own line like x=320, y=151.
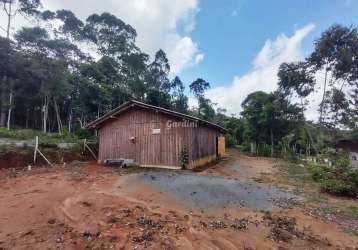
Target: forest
x=59, y=73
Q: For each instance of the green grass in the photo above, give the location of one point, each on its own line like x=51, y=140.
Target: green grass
x=44, y=138
x=351, y=231
x=351, y=212
x=297, y=172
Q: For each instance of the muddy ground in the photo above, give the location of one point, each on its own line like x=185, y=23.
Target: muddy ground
x=240, y=203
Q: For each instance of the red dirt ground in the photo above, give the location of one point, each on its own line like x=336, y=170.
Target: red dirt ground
x=92, y=207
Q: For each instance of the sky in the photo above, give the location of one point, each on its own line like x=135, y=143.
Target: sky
x=235, y=45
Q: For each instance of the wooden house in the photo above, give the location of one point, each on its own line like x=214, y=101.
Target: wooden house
x=155, y=137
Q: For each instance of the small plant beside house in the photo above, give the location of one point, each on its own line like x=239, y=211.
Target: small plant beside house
x=184, y=157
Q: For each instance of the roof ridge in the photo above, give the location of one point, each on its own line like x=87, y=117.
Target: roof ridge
x=103, y=118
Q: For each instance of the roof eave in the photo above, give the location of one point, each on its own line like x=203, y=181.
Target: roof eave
x=96, y=123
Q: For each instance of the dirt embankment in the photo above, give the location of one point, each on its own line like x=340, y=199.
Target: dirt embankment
x=20, y=158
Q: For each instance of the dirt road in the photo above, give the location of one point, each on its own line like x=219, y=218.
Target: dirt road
x=232, y=205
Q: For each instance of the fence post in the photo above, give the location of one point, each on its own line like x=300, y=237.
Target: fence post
x=40, y=153
x=36, y=147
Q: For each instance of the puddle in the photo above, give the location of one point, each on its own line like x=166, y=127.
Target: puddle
x=202, y=192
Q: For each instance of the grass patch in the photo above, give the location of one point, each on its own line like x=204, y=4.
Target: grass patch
x=351, y=212
x=47, y=139
x=297, y=172
x=351, y=231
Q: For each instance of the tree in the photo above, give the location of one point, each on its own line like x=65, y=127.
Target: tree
x=66, y=24
x=198, y=87
x=295, y=80
x=157, y=81
x=270, y=117
x=91, y=95
x=111, y=35
x=336, y=53
x=10, y=76
x=158, y=71
x=337, y=105
x=205, y=109
x=133, y=73
x=180, y=101
x=11, y=8
x=22, y=7
x=49, y=67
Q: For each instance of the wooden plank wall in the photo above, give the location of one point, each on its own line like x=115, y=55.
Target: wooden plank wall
x=153, y=149
x=221, y=146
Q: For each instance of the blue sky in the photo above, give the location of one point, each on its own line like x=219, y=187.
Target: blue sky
x=230, y=33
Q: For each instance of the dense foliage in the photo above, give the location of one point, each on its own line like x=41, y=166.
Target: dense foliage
x=72, y=71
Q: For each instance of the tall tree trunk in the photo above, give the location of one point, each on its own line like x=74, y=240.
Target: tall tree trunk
x=70, y=121
x=58, y=118
x=45, y=114
x=2, y=110
x=257, y=145
x=302, y=107
x=9, y=111
x=310, y=138
x=9, y=13
x=252, y=147
x=271, y=135
x=324, y=96
x=2, y=102
x=27, y=118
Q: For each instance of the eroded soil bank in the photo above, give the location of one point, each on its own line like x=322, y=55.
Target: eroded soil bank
x=233, y=205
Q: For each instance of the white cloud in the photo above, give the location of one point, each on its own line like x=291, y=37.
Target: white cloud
x=199, y=58
x=263, y=75
x=160, y=24
x=185, y=53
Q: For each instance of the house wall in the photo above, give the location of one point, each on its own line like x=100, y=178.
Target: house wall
x=158, y=139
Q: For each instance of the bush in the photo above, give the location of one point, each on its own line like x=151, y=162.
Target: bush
x=339, y=187
x=264, y=150
x=290, y=155
x=184, y=157
x=82, y=133
x=230, y=141
x=340, y=179
x=245, y=147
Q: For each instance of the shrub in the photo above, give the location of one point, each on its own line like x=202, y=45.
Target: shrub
x=184, y=157
x=339, y=187
x=84, y=134
x=340, y=178
x=230, y=141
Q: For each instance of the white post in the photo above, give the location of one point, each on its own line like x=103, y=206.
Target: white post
x=38, y=151
x=36, y=147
